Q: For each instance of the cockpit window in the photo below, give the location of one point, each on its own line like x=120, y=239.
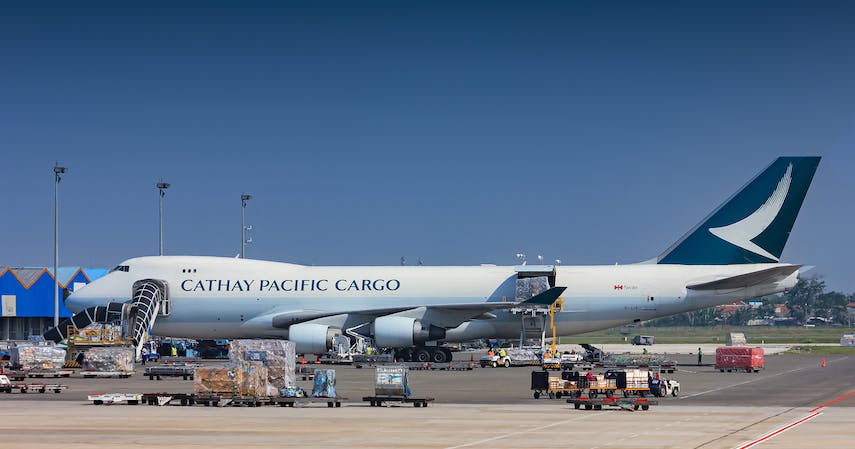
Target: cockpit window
x=124, y=268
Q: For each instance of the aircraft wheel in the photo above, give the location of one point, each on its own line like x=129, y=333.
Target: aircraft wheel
x=438, y=356
x=422, y=355
x=449, y=356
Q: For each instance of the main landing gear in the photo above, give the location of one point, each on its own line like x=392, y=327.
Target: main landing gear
x=424, y=354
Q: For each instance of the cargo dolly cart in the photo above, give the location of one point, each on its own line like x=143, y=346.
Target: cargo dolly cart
x=289, y=402
x=377, y=401
x=7, y=386
x=112, y=398
x=631, y=404
x=553, y=387
x=158, y=371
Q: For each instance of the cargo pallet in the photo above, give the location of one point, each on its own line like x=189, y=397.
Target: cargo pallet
x=377, y=401
x=622, y=403
x=102, y=374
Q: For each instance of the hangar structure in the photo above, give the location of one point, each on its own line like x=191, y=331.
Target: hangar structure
x=27, y=297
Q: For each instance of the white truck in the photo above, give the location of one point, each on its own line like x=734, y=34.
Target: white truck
x=513, y=357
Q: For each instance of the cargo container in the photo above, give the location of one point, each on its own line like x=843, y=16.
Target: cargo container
x=739, y=358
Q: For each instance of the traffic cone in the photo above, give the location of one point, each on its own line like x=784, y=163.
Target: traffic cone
x=823, y=363
x=302, y=360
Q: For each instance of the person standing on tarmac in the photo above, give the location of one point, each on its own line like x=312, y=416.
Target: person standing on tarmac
x=700, y=356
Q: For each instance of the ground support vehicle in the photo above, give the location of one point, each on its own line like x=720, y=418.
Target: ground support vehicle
x=377, y=401
x=7, y=386
x=102, y=374
x=552, y=363
x=507, y=361
x=112, y=398
x=183, y=371
x=664, y=387
x=289, y=402
x=622, y=403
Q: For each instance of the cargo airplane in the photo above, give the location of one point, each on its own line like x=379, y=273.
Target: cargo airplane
x=733, y=254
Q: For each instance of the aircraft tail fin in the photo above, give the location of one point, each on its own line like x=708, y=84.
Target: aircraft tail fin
x=753, y=225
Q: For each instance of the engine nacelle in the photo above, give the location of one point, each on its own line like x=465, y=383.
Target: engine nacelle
x=312, y=338
x=403, y=332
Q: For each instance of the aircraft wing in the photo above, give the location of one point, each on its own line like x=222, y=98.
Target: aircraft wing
x=765, y=276
x=448, y=312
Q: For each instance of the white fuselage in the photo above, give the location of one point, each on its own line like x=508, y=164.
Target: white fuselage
x=213, y=297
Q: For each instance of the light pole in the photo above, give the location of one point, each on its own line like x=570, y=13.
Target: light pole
x=243, y=199
x=162, y=186
x=57, y=171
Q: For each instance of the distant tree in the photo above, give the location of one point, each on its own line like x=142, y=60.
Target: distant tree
x=801, y=298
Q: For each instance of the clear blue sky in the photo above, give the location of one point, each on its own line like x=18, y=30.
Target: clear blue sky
x=454, y=132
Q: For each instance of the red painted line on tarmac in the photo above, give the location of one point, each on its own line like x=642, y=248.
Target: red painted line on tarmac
x=851, y=393
x=781, y=430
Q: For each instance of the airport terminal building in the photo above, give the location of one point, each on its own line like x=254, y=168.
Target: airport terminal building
x=27, y=297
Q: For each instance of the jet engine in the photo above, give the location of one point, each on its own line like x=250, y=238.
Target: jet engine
x=312, y=338
x=403, y=332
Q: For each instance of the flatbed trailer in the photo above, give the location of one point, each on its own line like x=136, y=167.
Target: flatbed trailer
x=589, y=403
x=102, y=374
x=159, y=371
x=289, y=402
x=37, y=387
x=377, y=401
x=54, y=373
x=113, y=398
x=225, y=400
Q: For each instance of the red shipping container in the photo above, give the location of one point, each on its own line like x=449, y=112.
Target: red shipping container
x=739, y=357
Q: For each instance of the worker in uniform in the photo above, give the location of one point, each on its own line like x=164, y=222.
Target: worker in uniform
x=700, y=356
x=503, y=353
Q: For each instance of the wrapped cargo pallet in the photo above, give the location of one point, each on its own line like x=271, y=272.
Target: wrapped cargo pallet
x=109, y=359
x=391, y=380
x=29, y=357
x=243, y=379
x=324, y=384
x=526, y=288
x=277, y=356
x=739, y=358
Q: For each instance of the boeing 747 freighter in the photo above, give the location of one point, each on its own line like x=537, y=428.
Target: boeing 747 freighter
x=733, y=254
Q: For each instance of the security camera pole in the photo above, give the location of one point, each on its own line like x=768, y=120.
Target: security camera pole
x=57, y=171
